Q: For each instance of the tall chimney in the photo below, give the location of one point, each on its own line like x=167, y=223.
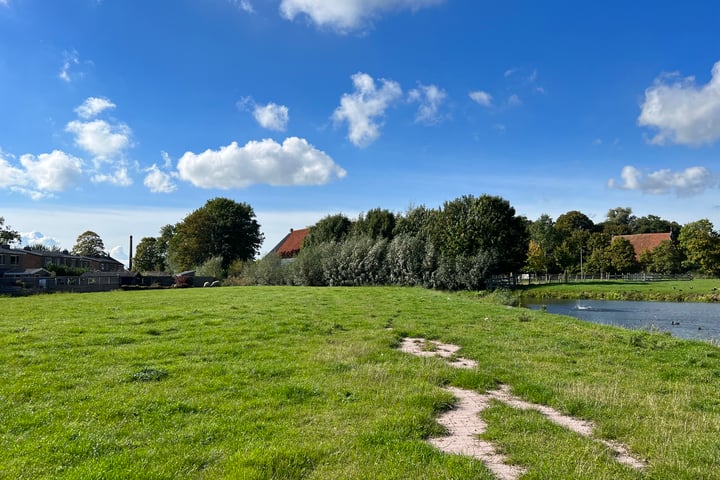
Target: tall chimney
x=130, y=262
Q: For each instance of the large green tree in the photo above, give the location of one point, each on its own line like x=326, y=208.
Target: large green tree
x=220, y=228
x=329, y=229
x=487, y=225
x=376, y=223
x=665, y=258
x=8, y=236
x=621, y=255
x=701, y=245
x=618, y=221
x=89, y=244
x=147, y=256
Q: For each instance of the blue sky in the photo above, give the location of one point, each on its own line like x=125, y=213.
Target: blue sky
x=121, y=116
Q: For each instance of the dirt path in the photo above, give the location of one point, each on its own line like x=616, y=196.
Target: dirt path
x=465, y=425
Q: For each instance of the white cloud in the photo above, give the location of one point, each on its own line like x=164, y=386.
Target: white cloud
x=166, y=159
x=514, y=101
x=244, y=5
x=54, y=172
x=482, y=98
x=38, y=238
x=347, y=15
x=37, y=177
x=272, y=116
x=71, y=58
x=681, y=111
x=93, y=106
x=119, y=178
x=295, y=162
x=689, y=182
x=158, y=181
x=361, y=107
x=431, y=99
x=100, y=138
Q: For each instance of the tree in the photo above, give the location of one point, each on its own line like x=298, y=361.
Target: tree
x=618, y=221
x=330, y=229
x=701, y=245
x=89, y=244
x=654, y=224
x=222, y=227
x=621, y=255
x=487, y=225
x=573, y=220
x=8, y=236
x=377, y=223
x=665, y=258
x=148, y=256
x=536, y=261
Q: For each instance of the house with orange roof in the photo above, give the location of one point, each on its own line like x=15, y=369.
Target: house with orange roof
x=642, y=242
x=290, y=246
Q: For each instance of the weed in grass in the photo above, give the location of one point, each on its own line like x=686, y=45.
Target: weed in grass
x=148, y=374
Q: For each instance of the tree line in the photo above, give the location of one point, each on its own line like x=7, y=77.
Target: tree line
x=455, y=246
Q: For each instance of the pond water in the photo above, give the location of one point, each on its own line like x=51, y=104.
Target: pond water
x=697, y=321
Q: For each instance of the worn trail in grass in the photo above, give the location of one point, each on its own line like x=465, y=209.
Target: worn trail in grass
x=308, y=383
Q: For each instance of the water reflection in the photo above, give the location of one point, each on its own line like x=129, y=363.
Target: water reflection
x=699, y=321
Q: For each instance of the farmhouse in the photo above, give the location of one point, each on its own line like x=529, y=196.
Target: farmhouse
x=642, y=242
x=290, y=246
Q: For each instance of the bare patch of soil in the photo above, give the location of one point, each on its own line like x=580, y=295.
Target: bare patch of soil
x=465, y=425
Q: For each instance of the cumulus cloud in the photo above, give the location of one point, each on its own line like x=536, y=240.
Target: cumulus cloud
x=158, y=181
x=682, y=111
x=100, y=138
x=119, y=177
x=40, y=176
x=93, y=106
x=38, y=238
x=431, y=99
x=364, y=105
x=295, y=162
x=348, y=15
x=482, y=98
x=271, y=116
x=689, y=182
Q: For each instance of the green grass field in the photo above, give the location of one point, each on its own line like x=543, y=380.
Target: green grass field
x=290, y=383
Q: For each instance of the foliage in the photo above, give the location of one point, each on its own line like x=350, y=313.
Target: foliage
x=487, y=226
x=573, y=220
x=269, y=270
x=64, y=270
x=701, y=246
x=621, y=256
x=148, y=256
x=41, y=247
x=330, y=229
x=654, y=224
x=405, y=260
x=619, y=221
x=212, y=267
x=666, y=258
x=8, y=236
x=220, y=228
x=536, y=261
x=89, y=244
x=417, y=221
x=376, y=223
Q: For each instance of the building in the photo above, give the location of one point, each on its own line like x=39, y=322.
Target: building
x=290, y=246
x=18, y=260
x=643, y=242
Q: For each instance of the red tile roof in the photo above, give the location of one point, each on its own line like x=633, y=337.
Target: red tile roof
x=292, y=243
x=642, y=242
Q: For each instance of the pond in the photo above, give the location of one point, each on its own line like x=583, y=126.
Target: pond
x=696, y=321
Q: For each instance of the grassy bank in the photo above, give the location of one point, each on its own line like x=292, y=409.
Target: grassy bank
x=703, y=290
x=290, y=383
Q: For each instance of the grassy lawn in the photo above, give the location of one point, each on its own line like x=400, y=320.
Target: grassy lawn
x=290, y=383
x=700, y=290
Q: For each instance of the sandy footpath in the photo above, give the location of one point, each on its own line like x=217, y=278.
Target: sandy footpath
x=465, y=425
